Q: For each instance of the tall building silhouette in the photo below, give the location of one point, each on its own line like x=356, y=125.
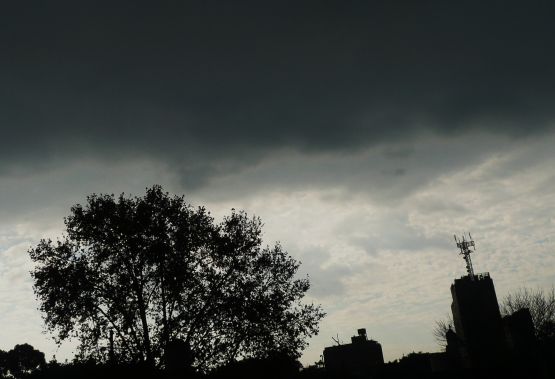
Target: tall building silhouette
x=521, y=341
x=476, y=316
x=477, y=320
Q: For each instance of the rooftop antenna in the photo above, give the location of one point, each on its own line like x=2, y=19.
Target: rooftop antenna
x=464, y=245
x=336, y=340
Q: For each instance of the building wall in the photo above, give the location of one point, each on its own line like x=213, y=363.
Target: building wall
x=478, y=320
x=358, y=358
x=521, y=340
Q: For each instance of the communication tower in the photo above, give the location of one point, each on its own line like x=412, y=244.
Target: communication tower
x=464, y=245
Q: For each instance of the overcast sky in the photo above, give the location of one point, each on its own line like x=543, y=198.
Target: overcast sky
x=364, y=135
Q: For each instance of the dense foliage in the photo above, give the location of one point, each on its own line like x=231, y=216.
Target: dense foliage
x=155, y=272
x=20, y=361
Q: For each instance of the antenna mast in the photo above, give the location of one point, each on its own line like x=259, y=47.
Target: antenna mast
x=464, y=245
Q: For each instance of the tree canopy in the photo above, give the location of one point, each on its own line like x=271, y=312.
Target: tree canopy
x=541, y=305
x=22, y=359
x=154, y=270
x=440, y=331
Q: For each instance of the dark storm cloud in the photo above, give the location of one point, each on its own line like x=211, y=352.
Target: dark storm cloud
x=213, y=86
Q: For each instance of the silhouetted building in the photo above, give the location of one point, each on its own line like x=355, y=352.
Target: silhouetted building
x=359, y=358
x=477, y=321
x=455, y=350
x=519, y=331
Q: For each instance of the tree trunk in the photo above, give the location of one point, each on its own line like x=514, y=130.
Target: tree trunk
x=144, y=322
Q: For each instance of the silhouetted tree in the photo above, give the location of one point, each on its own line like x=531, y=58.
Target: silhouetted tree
x=154, y=270
x=22, y=359
x=541, y=305
x=440, y=331
x=3, y=363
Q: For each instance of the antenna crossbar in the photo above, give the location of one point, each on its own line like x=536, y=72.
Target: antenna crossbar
x=464, y=245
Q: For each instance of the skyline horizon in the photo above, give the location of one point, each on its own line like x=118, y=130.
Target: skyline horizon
x=307, y=356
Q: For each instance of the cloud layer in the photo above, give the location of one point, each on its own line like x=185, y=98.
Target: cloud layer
x=212, y=87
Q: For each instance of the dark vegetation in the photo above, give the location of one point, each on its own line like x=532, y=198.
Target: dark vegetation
x=152, y=282
x=440, y=331
x=274, y=366
x=20, y=361
x=541, y=305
